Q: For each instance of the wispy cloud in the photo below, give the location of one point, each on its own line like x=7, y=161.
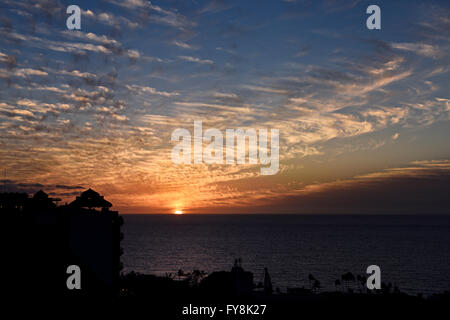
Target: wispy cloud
x=423, y=49
x=150, y=90
x=196, y=60
x=184, y=45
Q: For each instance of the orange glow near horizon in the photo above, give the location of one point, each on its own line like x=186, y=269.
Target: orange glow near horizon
x=178, y=212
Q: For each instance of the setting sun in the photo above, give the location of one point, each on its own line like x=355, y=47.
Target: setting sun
x=178, y=212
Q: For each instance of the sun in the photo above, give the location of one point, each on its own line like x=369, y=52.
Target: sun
x=178, y=212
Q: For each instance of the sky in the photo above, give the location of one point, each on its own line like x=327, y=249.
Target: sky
x=363, y=115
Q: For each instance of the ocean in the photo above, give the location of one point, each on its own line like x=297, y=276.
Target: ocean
x=413, y=252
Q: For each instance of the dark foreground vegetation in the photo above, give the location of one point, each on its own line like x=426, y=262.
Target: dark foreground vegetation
x=173, y=292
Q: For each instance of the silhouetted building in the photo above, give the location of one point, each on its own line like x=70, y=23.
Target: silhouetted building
x=41, y=201
x=47, y=238
x=90, y=199
x=13, y=202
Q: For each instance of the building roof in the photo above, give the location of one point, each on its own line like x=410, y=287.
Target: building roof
x=42, y=200
x=91, y=199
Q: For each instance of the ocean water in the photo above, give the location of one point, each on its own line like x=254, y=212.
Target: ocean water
x=413, y=252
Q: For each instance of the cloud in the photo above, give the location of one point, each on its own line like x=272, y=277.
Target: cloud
x=265, y=89
x=423, y=49
x=12, y=111
x=104, y=44
x=91, y=36
x=223, y=95
x=156, y=13
x=224, y=108
x=22, y=73
x=150, y=90
x=9, y=60
x=196, y=60
x=110, y=44
x=110, y=19
x=30, y=188
x=184, y=45
x=75, y=73
x=132, y=4
x=215, y=6
x=436, y=25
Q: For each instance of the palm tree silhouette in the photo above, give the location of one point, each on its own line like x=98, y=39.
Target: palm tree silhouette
x=311, y=279
x=337, y=283
x=180, y=274
x=196, y=276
